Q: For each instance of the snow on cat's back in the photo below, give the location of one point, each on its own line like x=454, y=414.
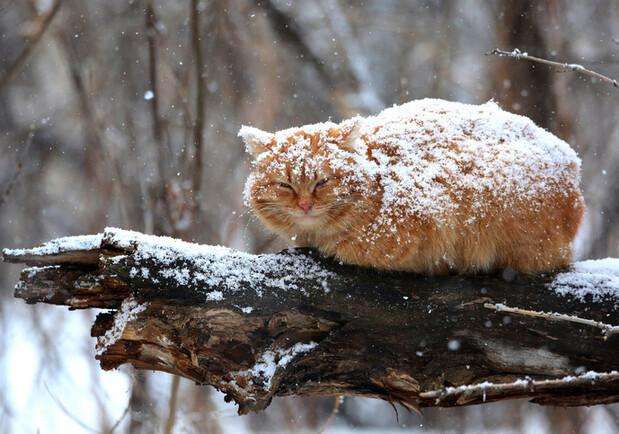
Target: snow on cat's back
x=430, y=186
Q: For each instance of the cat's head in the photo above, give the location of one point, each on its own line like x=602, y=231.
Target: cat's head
x=305, y=180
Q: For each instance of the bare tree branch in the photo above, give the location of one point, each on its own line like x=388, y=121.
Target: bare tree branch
x=565, y=67
x=30, y=46
x=118, y=421
x=336, y=408
x=198, y=128
x=289, y=31
x=606, y=328
x=18, y=167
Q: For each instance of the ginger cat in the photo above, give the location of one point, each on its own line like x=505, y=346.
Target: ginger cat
x=430, y=186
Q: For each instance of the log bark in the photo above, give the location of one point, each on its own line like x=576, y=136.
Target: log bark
x=296, y=324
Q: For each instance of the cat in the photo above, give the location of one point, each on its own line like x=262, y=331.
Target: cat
x=430, y=186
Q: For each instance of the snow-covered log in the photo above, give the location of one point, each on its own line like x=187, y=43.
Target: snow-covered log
x=258, y=326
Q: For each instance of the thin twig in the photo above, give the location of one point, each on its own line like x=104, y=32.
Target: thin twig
x=502, y=389
x=67, y=412
x=18, y=167
x=120, y=419
x=607, y=329
x=517, y=54
x=23, y=56
x=336, y=407
x=198, y=127
x=93, y=132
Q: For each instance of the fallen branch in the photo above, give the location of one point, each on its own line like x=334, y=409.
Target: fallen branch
x=565, y=67
x=295, y=324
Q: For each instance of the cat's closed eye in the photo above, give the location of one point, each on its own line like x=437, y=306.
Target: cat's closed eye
x=284, y=185
x=321, y=183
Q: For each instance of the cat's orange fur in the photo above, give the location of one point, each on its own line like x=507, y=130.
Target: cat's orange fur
x=429, y=187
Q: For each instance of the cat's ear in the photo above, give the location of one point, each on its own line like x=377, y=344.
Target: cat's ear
x=350, y=131
x=256, y=141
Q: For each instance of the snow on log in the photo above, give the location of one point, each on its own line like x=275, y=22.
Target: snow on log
x=293, y=323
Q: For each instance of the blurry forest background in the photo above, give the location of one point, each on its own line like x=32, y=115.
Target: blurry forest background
x=125, y=113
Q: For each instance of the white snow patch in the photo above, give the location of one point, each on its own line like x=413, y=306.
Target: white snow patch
x=270, y=360
x=128, y=312
x=523, y=382
x=34, y=270
x=591, y=375
x=217, y=266
x=215, y=296
x=60, y=245
x=252, y=134
x=597, y=278
x=470, y=387
x=507, y=155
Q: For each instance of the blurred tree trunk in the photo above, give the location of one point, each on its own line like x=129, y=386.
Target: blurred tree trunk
x=140, y=405
x=521, y=87
x=563, y=121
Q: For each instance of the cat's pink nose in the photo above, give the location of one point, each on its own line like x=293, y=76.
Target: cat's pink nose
x=305, y=205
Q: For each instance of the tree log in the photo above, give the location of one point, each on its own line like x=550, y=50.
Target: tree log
x=296, y=324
